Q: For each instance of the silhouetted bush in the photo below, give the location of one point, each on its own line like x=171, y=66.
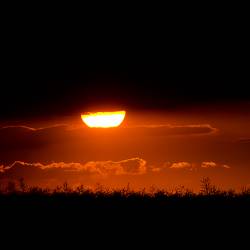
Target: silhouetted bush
x=207, y=190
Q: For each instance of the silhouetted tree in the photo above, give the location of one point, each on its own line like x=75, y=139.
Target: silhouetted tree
x=207, y=188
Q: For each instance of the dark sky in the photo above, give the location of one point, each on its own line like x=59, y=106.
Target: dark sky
x=53, y=72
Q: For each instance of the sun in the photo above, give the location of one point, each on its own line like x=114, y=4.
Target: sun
x=103, y=119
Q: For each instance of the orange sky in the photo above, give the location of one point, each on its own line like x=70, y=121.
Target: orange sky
x=150, y=148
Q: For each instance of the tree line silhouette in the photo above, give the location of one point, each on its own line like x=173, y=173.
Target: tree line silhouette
x=20, y=188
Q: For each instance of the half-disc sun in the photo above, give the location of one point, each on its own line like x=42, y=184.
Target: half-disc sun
x=103, y=119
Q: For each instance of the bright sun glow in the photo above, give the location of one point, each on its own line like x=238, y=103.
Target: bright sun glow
x=103, y=119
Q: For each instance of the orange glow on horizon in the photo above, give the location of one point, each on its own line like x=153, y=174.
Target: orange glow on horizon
x=103, y=119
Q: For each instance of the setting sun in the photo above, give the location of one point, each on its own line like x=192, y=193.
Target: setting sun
x=103, y=119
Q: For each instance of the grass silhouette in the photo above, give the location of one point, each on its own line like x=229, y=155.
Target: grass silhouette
x=103, y=210
x=208, y=191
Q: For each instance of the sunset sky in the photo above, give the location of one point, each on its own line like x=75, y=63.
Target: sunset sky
x=187, y=114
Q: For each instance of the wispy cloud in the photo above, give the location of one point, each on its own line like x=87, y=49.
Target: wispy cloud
x=182, y=164
x=133, y=166
x=211, y=164
x=174, y=130
x=196, y=166
x=91, y=172
x=54, y=142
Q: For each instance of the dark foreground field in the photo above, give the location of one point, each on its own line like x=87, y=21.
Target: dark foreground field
x=101, y=202
x=125, y=213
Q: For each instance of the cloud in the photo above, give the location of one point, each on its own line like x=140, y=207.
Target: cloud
x=174, y=130
x=66, y=143
x=208, y=164
x=211, y=164
x=110, y=173
x=15, y=137
x=63, y=171
x=95, y=169
x=182, y=164
x=130, y=166
x=195, y=166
